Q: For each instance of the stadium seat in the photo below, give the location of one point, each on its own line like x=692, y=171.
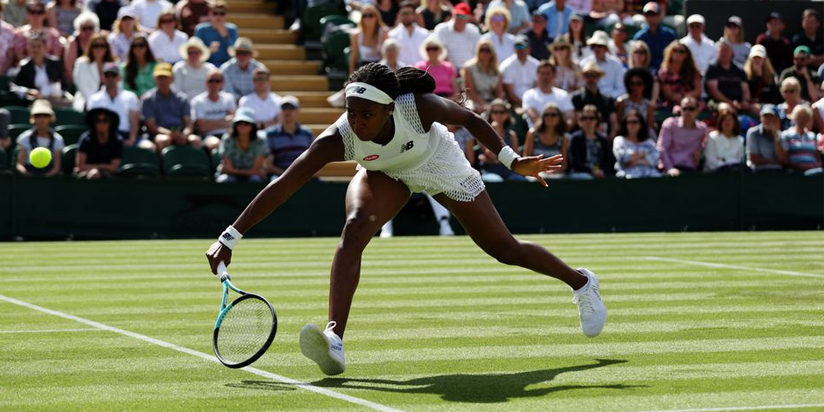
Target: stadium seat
x=16, y=130
x=19, y=114
x=139, y=162
x=215, y=161
x=71, y=132
x=185, y=161
x=69, y=116
x=335, y=43
x=67, y=158
x=5, y=166
x=334, y=20
x=310, y=21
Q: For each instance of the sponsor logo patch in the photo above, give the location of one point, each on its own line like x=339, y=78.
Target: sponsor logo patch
x=371, y=158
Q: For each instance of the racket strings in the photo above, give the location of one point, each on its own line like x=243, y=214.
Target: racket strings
x=244, y=330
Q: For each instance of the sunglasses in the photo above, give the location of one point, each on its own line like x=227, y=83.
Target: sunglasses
x=552, y=114
x=433, y=49
x=462, y=16
x=102, y=120
x=587, y=118
x=218, y=13
x=592, y=75
x=261, y=79
x=680, y=51
x=100, y=46
x=111, y=75
x=497, y=112
x=484, y=50
x=368, y=16
x=41, y=115
x=139, y=45
x=497, y=18
x=194, y=51
x=164, y=21
x=633, y=121
x=87, y=28
x=242, y=53
x=215, y=80
x=636, y=83
x=520, y=46
x=37, y=12
x=639, y=51
x=650, y=14
x=697, y=25
x=689, y=109
x=789, y=90
x=406, y=13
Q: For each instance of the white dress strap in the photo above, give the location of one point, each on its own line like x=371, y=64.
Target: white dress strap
x=348, y=137
x=406, y=105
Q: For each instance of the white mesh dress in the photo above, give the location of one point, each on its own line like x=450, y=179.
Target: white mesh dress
x=424, y=161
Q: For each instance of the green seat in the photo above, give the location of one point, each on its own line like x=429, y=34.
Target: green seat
x=71, y=132
x=67, y=158
x=310, y=22
x=19, y=114
x=185, y=161
x=334, y=20
x=16, y=130
x=139, y=162
x=215, y=158
x=69, y=116
x=5, y=166
x=335, y=44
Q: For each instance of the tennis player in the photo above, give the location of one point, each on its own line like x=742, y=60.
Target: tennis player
x=394, y=128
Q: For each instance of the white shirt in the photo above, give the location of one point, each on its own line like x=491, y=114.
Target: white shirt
x=504, y=47
x=410, y=43
x=204, y=108
x=459, y=45
x=721, y=151
x=612, y=83
x=24, y=140
x=537, y=100
x=704, y=52
x=265, y=109
x=149, y=10
x=87, y=81
x=521, y=76
x=190, y=81
x=166, y=49
x=124, y=103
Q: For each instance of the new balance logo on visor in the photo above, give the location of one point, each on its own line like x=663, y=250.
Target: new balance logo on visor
x=227, y=237
x=407, y=146
x=360, y=90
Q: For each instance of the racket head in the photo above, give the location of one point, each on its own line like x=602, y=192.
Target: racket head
x=244, y=331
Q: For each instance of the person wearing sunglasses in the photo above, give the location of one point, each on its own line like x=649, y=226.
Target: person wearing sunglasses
x=212, y=110
x=791, y=92
x=120, y=101
x=654, y=34
x=635, y=153
x=444, y=73
x=591, y=94
x=519, y=72
x=88, y=70
x=590, y=152
x=100, y=149
x=138, y=69
x=264, y=102
x=167, y=40
x=612, y=82
x=61, y=15
x=36, y=17
x=703, y=49
x=804, y=73
x=86, y=26
x=458, y=36
x=679, y=76
x=682, y=139
x=549, y=138
x=497, y=21
x=366, y=40
x=149, y=10
x=726, y=82
x=408, y=34
x=481, y=77
x=218, y=34
x=240, y=70
x=191, y=72
x=26, y=82
x=123, y=31
x=638, y=83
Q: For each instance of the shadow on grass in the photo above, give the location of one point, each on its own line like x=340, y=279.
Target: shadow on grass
x=478, y=388
x=263, y=385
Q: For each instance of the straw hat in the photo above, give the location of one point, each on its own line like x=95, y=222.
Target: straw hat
x=599, y=38
x=243, y=44
x=592, y=67
x=42, y=106
x=196, y=43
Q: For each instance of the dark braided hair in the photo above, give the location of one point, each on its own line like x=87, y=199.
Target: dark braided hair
x=405, y=80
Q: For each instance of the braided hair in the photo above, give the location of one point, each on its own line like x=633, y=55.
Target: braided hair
x=405, y=80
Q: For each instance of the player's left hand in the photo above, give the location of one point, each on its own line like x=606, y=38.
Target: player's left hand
x=534, y=165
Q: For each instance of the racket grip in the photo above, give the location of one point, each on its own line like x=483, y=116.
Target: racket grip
x=221, y=271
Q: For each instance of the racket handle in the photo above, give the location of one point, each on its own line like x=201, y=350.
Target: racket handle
x=221, y=271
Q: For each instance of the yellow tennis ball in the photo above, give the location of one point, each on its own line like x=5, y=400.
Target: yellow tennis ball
x=40, y=157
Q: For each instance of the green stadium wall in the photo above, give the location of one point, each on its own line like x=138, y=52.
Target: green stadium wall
x=66, y=208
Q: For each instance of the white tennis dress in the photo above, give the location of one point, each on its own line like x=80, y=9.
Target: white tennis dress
x=424, y=161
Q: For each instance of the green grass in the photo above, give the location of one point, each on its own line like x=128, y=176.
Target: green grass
x=436, y=326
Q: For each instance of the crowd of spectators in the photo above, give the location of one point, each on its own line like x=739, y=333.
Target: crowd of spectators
x=620, y=88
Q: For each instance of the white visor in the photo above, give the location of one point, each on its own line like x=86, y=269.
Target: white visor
x=368, y=92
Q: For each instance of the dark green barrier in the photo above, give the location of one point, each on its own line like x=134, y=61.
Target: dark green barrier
x=40, y=208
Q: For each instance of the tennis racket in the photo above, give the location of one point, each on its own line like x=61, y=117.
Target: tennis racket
x=244, y=328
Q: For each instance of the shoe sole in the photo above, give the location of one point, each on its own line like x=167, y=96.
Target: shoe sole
x=314, y=346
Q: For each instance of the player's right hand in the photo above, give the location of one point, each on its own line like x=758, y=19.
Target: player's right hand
x=218, y=253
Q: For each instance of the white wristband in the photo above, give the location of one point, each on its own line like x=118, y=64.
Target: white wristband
x=230, y=237
x=507, y=156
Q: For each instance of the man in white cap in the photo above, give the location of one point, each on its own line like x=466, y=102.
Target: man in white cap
x=240, y=70
x=612, y=82
x=119, y=101
x=703, y=49
x=519, y=72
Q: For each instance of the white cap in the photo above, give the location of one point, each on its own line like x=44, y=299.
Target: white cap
x=758, y=50
x=695, y=18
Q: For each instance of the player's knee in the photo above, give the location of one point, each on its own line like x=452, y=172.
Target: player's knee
x=359, y=228
x=508, y=253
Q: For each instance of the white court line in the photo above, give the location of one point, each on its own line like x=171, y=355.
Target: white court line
x=49, y=331
x=259, y=372
x=744, y=408
x=724, y=266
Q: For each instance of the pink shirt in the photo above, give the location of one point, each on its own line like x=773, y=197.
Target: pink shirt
x=6, y=46
x=677, y=143
x=443, y=74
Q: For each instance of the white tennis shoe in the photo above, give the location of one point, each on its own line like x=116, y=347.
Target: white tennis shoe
x=324, y=347
x=591, y=309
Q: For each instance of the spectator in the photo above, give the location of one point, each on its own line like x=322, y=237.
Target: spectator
x=497, y=20
x=14, y=12
x=791, y=91
x=612, y=82
x=29, y=80
x=734, y=35
x=544, y=93
x=108, y=11
x=7, y=59
x=239, y=71
x=568, y=76
x=213, y=109
x=518, y=72
x=218, y=34
x=679, y=77
x=61, y=15
x=590, y=95
x=604, y=13
x=242, y=151
x=86, y=27
x=639, y=59
x=101, y=150
x=365, y=41
x=655, y=35
x=804, y=73
x=88, y=70
x=638, y=83
x=779, y=48
x=577, y=37
x=618, y=45
x=41, y=135
x=138, y=69
x=557, y=17
x=408, y=34
x=761, y=141
x=810, y=36
x=121, y=102
x=266, y=105
x=797, y=146
x=458, y=36
x=818, y=113
x=149, y=11
x=635, y=153
x=539, y=39
x=518, y=14
x=590, y=153
x=492, y=170
x=388, y=10
x=444, y=73
x=548, y=138
x=681, y=140
x=125, y=29
x=761, y=77
x=725, y=146
x=190, y=13
x=702, y=48
x=726, y=82
x=287, y=140
x=481, y=77
x=432, y=13
x=390, y=50
x=5, y=140
x=190, y=73
x=36, y=15
x=166, y=112
x=166, y=41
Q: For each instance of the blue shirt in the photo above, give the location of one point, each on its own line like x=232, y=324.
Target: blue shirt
x=287, y=147
x=551, y=12
x=207, y=33
x=657, y=42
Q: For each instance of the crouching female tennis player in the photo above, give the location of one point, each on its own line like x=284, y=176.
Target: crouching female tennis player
x=394, y=128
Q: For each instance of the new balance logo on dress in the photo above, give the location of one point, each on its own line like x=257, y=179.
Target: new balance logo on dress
x=407, y=146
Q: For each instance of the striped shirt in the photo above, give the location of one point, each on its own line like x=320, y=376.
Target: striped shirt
x=801, y=148
x=287, y=147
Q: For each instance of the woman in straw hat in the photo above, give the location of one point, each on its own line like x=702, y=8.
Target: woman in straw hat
x=40, y=135
x=190, y=73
